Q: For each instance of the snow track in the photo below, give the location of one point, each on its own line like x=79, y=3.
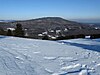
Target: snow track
x=19, y=56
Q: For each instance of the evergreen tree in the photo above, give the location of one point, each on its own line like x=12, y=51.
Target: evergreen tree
x=45, y=37
x=2, y=32
x=9, y=32
x=19, y=31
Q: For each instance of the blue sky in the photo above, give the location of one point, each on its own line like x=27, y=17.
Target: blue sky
x=69, y=9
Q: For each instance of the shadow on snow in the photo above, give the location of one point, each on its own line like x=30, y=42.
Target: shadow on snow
x=89, y=47
x=1, y=37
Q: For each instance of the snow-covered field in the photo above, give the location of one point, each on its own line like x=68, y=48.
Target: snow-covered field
x=20, y=56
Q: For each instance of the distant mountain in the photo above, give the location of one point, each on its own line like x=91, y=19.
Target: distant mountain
x=87, y=20
x=50, y=23
x=45, y=23
x=51, y=26
x=7, y=20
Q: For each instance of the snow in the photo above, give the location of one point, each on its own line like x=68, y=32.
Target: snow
x=72, y=68
x=44, y=33
x=21, y=56
x=83, y=72
x=40, y=34
x=87, y=37
x=50, y=58
x=12, y=29
x=98, y=64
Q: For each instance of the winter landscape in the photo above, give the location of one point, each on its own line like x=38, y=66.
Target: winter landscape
x=21, y=56
x=49, y=37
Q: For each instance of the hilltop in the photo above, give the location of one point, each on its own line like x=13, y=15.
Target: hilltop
x=46, y=22
x=49, y=23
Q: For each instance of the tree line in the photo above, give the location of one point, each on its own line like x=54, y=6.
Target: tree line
x=18, y=32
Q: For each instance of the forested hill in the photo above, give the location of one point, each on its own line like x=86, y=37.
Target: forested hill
x=46, y=22
x=51, y=26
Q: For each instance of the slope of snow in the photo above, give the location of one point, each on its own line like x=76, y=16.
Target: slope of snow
x=19, y=56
